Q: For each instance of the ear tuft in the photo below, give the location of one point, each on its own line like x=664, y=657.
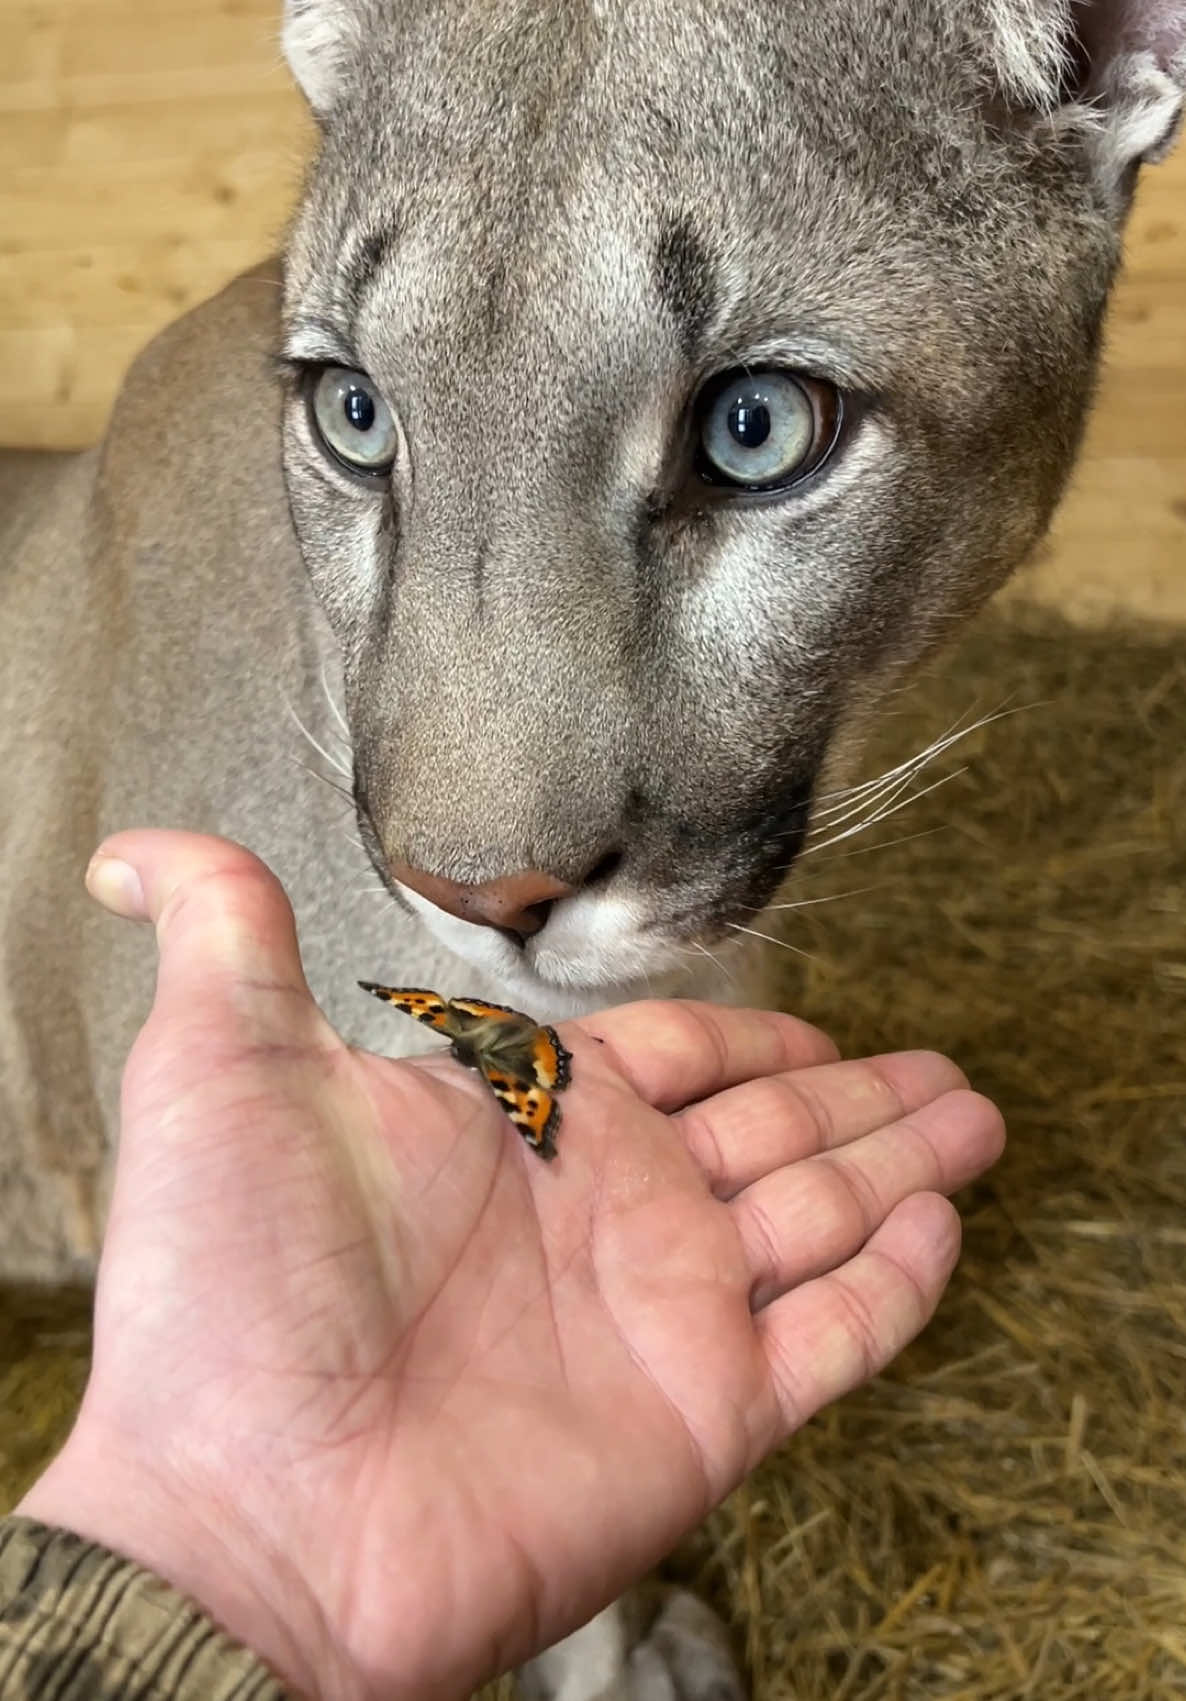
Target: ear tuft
x=1132, y=55
x=1030, y=43
x=319, y=38
x=1112, y=70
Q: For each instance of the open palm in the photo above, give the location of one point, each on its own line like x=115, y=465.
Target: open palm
x=400, y=1403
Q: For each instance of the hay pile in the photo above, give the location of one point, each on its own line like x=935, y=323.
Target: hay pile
x=44, y=1351
x=1004, y=1515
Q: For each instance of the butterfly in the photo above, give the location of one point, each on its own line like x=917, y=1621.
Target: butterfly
x=524, y=1065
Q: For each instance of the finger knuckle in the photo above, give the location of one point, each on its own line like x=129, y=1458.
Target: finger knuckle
x=855, y=1201
x=788, y=1374
x=705, y=1144
x=812, y=1107
x=862, y=1330
x=764, y=1249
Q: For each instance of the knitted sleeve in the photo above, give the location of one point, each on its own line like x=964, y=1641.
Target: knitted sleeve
x=78, y=1623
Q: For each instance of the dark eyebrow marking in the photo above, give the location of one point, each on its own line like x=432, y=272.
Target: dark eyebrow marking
x=495, y=296
x=365, y=259
x=480, y=561
x=684, y=276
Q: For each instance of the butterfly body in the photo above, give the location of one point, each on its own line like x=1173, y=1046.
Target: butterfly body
x=522, y=1063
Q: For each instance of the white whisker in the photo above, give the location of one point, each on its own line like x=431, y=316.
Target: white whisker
x=887, y=844
x=338, y=766
x=885, y=813
x=714, y=960
x=771, y=940
x=866, y=795
x=842, y=800
x=807, y=903
x=890, y=774
x=867, y=850
x=334, y=709
x=323, y=778
x=887, y=792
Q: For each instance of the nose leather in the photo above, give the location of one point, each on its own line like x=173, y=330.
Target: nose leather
x=518, y=903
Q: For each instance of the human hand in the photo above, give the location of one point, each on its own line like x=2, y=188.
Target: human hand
x=398, y=1403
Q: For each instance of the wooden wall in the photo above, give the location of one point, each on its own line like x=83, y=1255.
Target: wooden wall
x=149, y=149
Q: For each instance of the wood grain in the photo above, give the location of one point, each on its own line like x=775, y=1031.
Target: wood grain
x=149, y=152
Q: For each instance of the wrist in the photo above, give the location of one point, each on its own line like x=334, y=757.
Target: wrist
x=201, y=1548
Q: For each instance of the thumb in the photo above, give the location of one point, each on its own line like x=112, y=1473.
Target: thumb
x=225, y=931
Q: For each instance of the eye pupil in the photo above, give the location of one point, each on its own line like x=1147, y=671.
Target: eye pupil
x=760, y=430
x=749, y=423
x=359, y=409
x=352, y=421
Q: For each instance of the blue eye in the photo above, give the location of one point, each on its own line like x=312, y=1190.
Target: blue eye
x=759, y=429
x=354, y=421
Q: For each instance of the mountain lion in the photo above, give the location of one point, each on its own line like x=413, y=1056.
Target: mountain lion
x=646, y=387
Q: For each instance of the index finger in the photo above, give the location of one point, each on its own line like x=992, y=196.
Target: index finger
x=674, y=1052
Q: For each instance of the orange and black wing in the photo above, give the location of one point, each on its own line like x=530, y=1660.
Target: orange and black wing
x=427, y=1007
x=487, y=1012
x=530, y=1107
x=551, y=1062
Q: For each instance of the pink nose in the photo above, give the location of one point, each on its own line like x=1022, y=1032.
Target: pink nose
x=519, y=903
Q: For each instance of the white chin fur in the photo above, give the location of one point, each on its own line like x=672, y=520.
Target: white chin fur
x=592, y=953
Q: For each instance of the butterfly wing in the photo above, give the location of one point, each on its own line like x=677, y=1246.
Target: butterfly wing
x=549, y=1062
x=530, y=1107
x=426, y=1007
x=487, y=1012
x=523, y=1074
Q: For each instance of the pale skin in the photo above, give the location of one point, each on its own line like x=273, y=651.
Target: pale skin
x=398, y=1403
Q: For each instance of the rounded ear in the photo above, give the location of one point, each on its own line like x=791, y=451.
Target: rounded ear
x=1111, y=72
x=320, y=38
x=1129, y=74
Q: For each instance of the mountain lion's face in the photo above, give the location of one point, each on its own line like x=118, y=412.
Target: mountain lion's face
x=667, y=378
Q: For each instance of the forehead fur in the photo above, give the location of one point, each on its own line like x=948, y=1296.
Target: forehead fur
x=583, y=157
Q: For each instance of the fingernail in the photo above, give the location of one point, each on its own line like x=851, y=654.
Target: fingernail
x=116, y=886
